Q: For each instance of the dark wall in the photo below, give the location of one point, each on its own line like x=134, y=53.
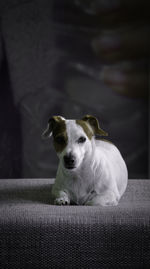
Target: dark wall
x=48, y=68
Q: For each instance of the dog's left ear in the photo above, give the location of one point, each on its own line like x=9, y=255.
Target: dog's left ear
x=50, y=126
x=95, y=125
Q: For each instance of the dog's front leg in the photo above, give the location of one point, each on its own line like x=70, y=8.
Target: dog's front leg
x=62, y=198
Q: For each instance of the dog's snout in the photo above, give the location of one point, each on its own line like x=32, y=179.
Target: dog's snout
x=69, y=161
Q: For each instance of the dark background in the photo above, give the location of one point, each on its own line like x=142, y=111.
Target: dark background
x=48, y=67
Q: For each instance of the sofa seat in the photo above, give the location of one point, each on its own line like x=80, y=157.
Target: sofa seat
x=34, y=233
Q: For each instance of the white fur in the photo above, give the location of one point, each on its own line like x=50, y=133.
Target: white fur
x=100, y=176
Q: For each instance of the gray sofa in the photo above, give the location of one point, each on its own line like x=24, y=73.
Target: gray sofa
x=34, y=233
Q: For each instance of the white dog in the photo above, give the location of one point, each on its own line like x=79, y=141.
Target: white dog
x=91, y=171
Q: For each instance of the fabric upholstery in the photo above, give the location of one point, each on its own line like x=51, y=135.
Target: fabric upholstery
x=34, y=233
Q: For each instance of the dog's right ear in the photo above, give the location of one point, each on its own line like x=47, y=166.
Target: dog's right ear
x=50, y=126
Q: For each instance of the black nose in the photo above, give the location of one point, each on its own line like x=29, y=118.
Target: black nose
x=69, y=161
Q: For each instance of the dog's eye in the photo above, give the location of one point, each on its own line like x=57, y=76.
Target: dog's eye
x=82, y=139
x=60, y=139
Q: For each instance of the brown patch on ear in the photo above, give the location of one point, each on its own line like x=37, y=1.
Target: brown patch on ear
x=105, y=140
x=50, y=126
x=94, y=125
x=60, y=138
x=86, y=128
x=57, y=128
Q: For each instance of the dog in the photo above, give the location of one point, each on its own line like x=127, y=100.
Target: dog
x=91, y=170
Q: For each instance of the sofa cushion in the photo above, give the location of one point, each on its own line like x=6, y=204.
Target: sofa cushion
x=34, y=233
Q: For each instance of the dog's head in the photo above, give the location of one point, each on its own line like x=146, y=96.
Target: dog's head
x=73, y=138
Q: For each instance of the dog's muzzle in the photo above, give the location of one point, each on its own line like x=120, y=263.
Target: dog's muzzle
x=69, y=161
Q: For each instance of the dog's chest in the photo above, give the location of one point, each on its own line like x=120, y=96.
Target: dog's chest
x=79, y=188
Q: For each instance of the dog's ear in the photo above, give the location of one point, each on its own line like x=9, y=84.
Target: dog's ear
x=50, y=126
x=94, y=125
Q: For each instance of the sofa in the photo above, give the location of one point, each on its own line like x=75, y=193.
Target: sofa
x=35, y=233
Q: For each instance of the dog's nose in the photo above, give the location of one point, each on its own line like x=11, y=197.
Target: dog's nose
x=69, y=161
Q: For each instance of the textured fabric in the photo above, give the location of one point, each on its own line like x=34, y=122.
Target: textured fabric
x=36, y=234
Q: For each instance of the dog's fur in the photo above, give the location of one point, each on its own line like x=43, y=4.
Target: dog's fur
x=98, y=175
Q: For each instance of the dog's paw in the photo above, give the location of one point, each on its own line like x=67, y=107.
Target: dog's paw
x=108, y=203
x=61, y=201
x=90, y=203
x=107, y=199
